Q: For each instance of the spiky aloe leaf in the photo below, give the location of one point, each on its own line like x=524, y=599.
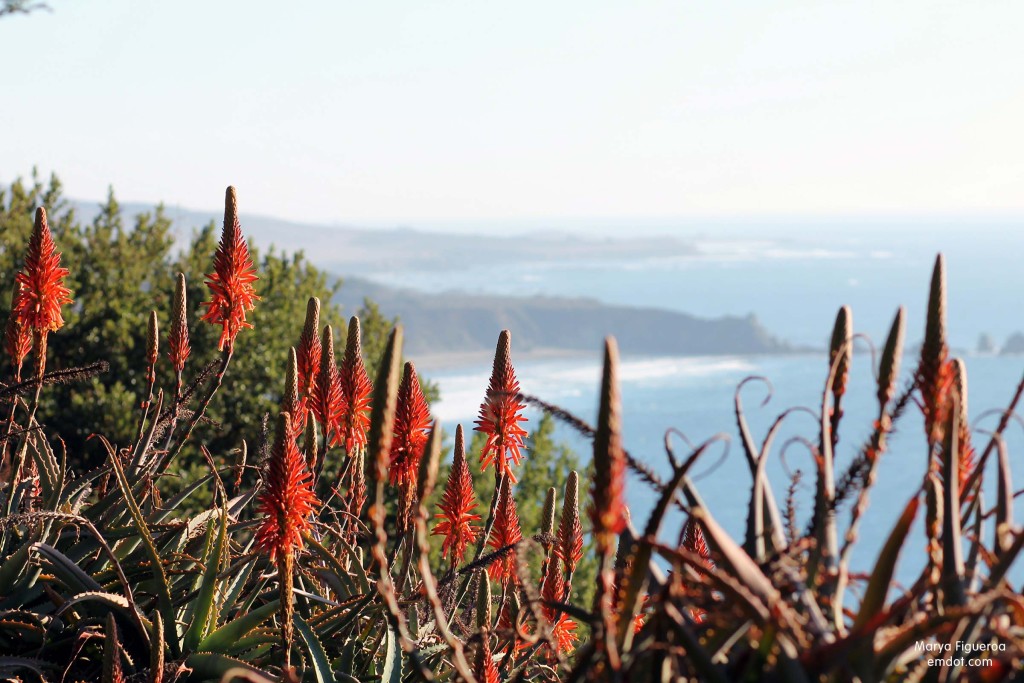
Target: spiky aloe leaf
x=67, y=571
x=111, y=653
x=15, y=566
x=156, y=650
x=392, y=671
x=204, y=611
x=321, y=664
x=160, y=578
x=210, y=665
x=885, y=566
x=226, y=636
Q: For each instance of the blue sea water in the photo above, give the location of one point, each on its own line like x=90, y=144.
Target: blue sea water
x=794, y=282
x=695, y=396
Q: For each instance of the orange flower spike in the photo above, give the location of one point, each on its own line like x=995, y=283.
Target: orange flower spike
x=290, y=402
x=328, y=401
x=177, y=340
x=505, y=532
x=484, y=669
x=17, y=338
x=412, y=426
x=41, y=292
x=608, y=511
x=553, y=590
x=309, y=349
x=357, y=389
x=287, y=500
x=457, y=507
x=569, y=548
x=501, y=413
x=231, y=282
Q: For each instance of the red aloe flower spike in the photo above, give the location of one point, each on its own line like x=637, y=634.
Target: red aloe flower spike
x=412, y=426
x=40, y=288
x=505, y=531
x=290, y=402
x=931, y=381
x=287, y=501
x=17, y=338
x=328, y=401
x=485, y=670
x=42, y=292
x=177, y=340
x=357, y=389
x=553, y=590
x=608, y=510
x=569, y=548
x=231, y=282
x=309, y=349
x=966, y=450
x=457, y=507
x=356, y=498
x=501, y=413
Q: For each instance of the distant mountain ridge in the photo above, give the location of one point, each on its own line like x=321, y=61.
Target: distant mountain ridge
x=453, y=322
x=461, y=323
x=359, y=251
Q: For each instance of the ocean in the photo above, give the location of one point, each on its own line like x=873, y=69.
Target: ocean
x=794, y=285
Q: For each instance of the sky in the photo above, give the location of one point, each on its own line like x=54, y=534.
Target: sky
x=475, y=112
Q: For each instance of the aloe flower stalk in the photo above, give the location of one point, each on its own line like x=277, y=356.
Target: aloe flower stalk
x=966, y=450
x=932, y=370
x=485, y=670
x=231, y=282
x=553, y=590
x=287, y=503
x=357, y=390
x=412, y=427
x=178, y=340
x=290, y=401
x=457, y=507
x=505, y=532
x=501, y=413
x=608, y=490
x=17, y=338
x=40, y=289
x=569, y=548
x=309, y=349
x=328, y=401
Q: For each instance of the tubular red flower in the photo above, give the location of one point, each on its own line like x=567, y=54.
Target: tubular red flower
x=287, y=500
x=177, y=340
x=231, y=282
x=40, y=286
x=412, y=427
x=328, y=401
x=501, y=413
x=457, y=505
x=505, y=532
x=309, y=348
x=357, y=389
x=17, y=337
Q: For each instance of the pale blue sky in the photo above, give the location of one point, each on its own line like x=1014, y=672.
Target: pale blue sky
x=426, y=111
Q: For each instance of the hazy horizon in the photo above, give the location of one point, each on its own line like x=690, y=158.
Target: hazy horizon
x=408, y=113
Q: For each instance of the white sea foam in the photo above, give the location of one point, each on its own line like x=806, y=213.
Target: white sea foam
x=463, y=390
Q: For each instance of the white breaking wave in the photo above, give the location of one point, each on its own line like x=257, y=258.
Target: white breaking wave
x=462, y=391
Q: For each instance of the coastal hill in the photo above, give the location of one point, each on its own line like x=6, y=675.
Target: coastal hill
x=461, y=323
x=456, y=322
